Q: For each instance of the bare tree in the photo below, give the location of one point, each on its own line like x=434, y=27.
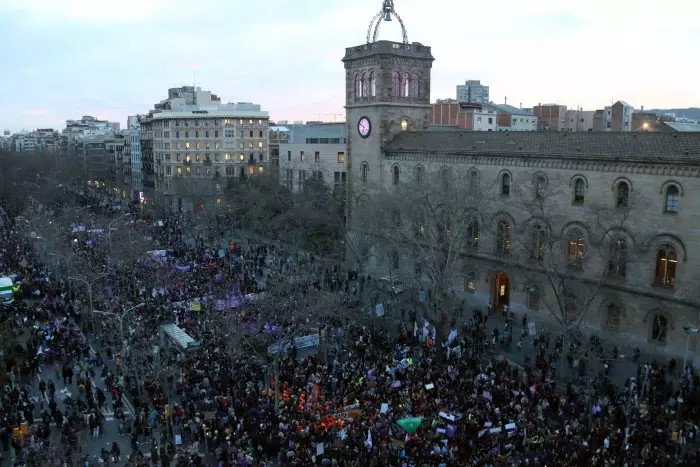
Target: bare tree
x=429, y=222
x=566, y=263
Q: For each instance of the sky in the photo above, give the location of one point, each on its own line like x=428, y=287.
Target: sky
x=62, y=59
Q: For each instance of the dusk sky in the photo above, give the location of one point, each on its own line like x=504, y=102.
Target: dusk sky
x=62, y=59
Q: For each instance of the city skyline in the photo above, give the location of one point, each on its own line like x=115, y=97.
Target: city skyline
x=72, y=57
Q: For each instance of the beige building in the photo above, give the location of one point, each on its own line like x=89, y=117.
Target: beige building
x=192, y=146
x=590, y=230
x=579, y=120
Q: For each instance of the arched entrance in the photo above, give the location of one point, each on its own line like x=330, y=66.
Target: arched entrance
x=500, y=291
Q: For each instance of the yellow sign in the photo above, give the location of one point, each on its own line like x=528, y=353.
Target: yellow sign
x=196, y=306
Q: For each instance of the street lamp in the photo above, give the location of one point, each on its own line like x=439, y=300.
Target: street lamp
x=121, y=317
x=89, y=284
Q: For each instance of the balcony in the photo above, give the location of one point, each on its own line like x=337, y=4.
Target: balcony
x=187, y=162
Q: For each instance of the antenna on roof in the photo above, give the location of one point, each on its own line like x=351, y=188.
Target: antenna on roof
x=505, y=101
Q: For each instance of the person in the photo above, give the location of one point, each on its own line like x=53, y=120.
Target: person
x=116, y=452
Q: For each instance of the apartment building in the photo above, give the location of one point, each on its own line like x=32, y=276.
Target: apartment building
x=192, y=146
x=473, y=91
x=579, y=120
x=316, y=151
x=550, y=116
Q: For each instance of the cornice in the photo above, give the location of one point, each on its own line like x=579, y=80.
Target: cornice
x=668, y=167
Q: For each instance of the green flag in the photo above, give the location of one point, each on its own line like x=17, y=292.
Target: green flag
x=410, y=424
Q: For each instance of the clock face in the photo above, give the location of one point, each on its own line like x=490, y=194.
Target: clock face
x=364, y=127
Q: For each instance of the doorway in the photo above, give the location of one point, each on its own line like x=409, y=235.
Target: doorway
x=500, y=293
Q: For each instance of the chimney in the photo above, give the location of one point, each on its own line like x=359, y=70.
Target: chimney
x=521, y=106
x=505, y=101
x=642, y=108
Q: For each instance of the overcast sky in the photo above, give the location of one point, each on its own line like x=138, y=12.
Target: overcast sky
x=62, y=59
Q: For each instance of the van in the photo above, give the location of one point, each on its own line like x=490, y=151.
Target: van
x=6, y=291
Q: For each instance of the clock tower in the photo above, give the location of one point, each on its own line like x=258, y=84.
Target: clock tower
x=387, y=90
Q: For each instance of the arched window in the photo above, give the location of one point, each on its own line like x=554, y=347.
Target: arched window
x=533, y=297
x=540, y=183
x=473, y=182
x=613, y=316
x=579, y=191
x=505, y=185
x=570, y=306
x=365, y=85
x=537, y=242
x=666, y=260
x=445, y=177
x=659, y=328
x=395, y=175
x=358, y=86
x=470, y=282
x=420, y=174
x=395, y=84
x=577, y=249
x=672, y=199
x=372, y=84
x=404, y=125
x=618, y=258
x=504, y=237
x=415, y=86
x=622, y=194
x=404, y=84
x=473, y=233
x=364, y=171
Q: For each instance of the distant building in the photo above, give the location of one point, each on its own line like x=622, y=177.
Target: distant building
x=135, y=136
x=313, y=151
x=278, y=134
x=579, y=120
x=192, y=145
x=550, y=116
x=512, y=118
x=473, y=91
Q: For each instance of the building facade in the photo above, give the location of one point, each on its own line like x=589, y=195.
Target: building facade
x=550, y=116
x=473, y=92
x=579, y=120
x=464, y=115
x=535, y=203
x=135, y=137
x=314, y=151
x=193, y=146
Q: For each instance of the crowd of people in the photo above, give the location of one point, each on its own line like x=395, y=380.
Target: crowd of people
x=359, y=395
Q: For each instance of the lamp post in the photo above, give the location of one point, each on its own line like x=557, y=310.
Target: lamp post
x=89, y=284
x=121, y=317
x=109, y=230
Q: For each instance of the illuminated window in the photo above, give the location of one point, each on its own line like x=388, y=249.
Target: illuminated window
x=179, y=171
x=301, y=156
x=187, y=158
x=187, y=145
x=404, y=125
x=218, y=200
x=341, y=158
x=577, y=250
x=260, y=169
x=317, y=157
x=242, y=157
x=251, y=170
x=503, y=238
x=189, y=171
x=470, y=282
x=260, y=144
x=666, y=261
x=228, y=157
x=250, y=122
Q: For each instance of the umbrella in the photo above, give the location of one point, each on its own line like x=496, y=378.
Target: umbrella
x=410, y=424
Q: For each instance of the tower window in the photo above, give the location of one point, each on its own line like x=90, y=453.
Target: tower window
x=365, y=85
x=372, y=84
x=395, y=84
x=404, y=125
x=404, y=84
x=358, y=86
x=415, y=86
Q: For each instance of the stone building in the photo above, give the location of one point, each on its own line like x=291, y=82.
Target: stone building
x=592, y=229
